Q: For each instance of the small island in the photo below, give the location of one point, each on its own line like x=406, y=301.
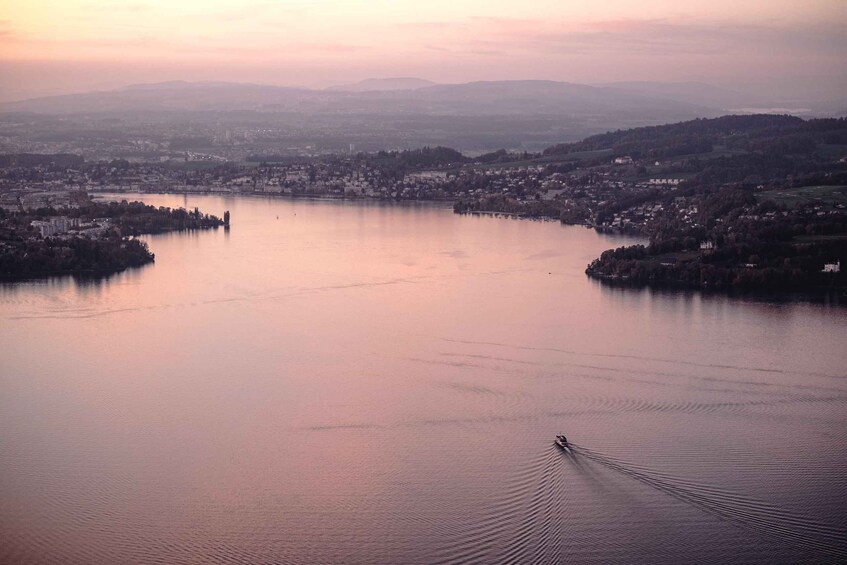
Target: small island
x=87, y=238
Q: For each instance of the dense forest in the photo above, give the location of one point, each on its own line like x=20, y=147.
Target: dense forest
x=79, y=256
x=765, y=133
x=136, y=218
x=396, y=163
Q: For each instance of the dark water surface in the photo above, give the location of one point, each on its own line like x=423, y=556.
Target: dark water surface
x=361, y=383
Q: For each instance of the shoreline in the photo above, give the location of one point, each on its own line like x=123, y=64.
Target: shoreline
x=92, y=274
x=815, y=293
x=317, y=197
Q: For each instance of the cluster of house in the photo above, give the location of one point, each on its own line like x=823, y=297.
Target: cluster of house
x=832, y=267
x=665, y=181
x=62, y=225
x=32, y=198
x=636, y=216
x=359, y=179
x=656, y=181
x=55, y=226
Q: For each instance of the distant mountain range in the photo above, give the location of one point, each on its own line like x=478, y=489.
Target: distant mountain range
x=406, y=112
x=377, y=96
x=690, y=92
x=384, y=84
x=653, y=101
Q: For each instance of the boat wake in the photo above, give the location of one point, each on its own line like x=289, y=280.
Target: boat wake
x=535, y=518
x=525, y=524
x=756, y=515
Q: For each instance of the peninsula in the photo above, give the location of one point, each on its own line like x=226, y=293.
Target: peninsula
x=86, y=238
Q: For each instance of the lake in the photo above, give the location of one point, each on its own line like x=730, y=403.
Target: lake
x=358, y=382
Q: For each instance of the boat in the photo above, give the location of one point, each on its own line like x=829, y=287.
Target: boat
x=562, y=442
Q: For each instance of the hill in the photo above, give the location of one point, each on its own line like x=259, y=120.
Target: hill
x=691, y=92
x=373, y=115
x=379, y=97
x=383, y=84
x=695, y=136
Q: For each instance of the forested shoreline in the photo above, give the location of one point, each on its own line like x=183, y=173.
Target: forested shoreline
x=91, y=239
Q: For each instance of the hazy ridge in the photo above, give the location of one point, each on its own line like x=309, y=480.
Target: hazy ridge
x=531, y=97
x=375, y=114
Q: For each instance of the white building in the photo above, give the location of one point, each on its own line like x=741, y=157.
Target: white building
x=665, y=182
x=55, y=226
x=832, y=267
x=425, y=176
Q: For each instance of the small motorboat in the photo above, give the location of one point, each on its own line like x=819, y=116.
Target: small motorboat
x=562, y=442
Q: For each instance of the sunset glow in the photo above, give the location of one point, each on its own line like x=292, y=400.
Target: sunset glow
x=319, y=42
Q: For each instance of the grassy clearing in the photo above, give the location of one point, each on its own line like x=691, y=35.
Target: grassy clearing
x=818, y=238
x=718, y=152
x=819, y=194
x=565, y=158
x=193, y=165
x=829, y=151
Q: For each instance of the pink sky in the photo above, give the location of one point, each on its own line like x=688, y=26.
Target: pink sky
x=51, y=47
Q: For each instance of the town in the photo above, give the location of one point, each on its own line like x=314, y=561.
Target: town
x=691, y=187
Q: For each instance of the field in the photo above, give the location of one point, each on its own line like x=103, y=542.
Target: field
x=822, y=194
x=566, y=157
x=829, y=151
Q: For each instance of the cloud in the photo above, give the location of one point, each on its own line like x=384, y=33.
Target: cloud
x=320, y=35
x=425, y=26
x=124, y=9
x=243, y=12
x=478, y=52
x=79, y=43
x=656, y=37
x=263, y=12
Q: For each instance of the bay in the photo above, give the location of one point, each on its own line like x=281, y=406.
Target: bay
x=360, y=382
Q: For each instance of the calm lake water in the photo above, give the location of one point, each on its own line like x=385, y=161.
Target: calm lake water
x=365, y=383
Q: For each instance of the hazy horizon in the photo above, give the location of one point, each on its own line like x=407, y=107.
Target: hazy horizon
x=790, y=48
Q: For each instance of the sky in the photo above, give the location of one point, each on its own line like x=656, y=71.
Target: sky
x=57, y=46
